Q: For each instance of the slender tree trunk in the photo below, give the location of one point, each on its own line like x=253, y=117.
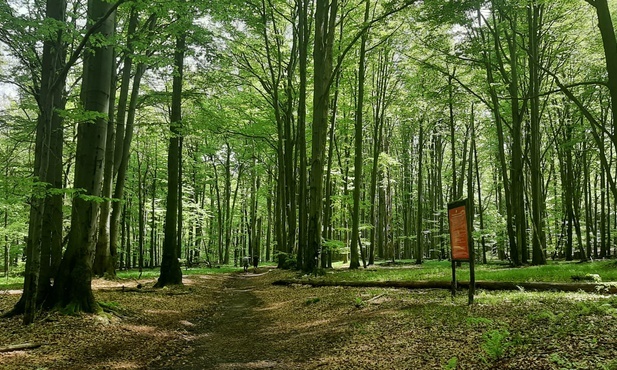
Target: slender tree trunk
x=538, y=206
x=358, y=162
x=303, y=45
x=180, y=195
x=102, y=254
x=455, y=194
x=419, y=237
x=325, y=24
x=171, y=273
x=153, y=211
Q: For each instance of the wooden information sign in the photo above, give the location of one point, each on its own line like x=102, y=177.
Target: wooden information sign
x=461, y=242
x=459, y=239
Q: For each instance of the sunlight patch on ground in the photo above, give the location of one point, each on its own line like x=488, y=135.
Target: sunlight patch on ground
x=122, y=365
x=104, y=283
x=142, y=329
x=162, y=312
x=274, y=306
x=249, y=365
x=312, y=324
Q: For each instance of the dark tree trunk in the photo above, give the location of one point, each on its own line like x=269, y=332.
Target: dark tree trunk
x=355, y=218
x=72, y=285
x=325, y=23
x=534, y=13
x=419, y=255
x=171, y=274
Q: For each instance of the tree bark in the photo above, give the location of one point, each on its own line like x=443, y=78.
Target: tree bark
x=171, y=274
x=534, y=13
x=355, y=218
x=419, y=255
x=325, y=23
x=72, y=285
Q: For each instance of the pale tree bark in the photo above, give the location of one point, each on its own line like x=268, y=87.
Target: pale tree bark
x=103, y=263
x=72, y=286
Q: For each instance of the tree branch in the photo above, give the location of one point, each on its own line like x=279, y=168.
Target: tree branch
x=77, y=52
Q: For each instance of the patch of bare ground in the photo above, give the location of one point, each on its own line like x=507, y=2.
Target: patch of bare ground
x=242, y=321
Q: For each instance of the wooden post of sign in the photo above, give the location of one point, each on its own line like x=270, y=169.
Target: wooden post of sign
x=453, y=277
x=461, y=242
x=472, y=258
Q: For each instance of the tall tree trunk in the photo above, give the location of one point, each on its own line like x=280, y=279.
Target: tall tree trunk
x=102, y=254
x=171, y=273
x=41, y=244
x=517, y=201
x=501, y=155
x=609, y=42
x=419, y=237
x=72, y=285
x=534, y=12
x=325, y=23
x=452, y=125
x=355, y=218
x=303, y=45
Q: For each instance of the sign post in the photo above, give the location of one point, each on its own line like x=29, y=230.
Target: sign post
x=461, y=242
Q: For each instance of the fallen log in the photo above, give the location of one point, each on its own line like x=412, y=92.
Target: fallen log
x=486, y=285
x=19, y=347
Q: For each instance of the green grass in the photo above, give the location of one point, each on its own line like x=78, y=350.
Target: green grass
x=441, y=270
x=407, y=271
x=11, y=283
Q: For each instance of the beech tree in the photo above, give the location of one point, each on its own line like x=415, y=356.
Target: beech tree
x=72, y=285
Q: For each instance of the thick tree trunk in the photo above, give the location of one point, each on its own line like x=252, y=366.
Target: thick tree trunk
x=72, y=286
x=45, y=220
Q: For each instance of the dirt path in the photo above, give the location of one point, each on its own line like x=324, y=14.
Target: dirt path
x=233, y=333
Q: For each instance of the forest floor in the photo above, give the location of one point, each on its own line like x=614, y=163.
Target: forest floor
x=242, y=321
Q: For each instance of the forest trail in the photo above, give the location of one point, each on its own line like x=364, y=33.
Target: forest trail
x=234, y=333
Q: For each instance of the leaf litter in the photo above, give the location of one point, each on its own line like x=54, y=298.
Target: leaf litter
x=242, y=321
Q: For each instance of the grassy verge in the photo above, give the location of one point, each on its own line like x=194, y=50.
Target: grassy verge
x=441, y=270
x=17, y=282
x=407, y=271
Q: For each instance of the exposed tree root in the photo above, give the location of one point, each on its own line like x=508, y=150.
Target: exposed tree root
x=19, y=347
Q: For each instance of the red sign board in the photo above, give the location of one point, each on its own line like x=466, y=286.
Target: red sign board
x=459, y=238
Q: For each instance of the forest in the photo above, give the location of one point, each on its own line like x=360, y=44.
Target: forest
x=139, y=135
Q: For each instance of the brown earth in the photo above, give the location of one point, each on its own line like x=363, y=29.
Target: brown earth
x=242, y=321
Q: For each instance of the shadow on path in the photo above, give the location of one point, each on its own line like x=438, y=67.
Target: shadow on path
x=230, y=334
